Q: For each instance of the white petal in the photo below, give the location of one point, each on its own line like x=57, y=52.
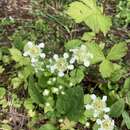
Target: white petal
x=60, y=87
x=106, y=116
x=66, y=55
x=101, y=129
x=47, y=104
x=98, y=121
x=95, y=114
x=54, y=79
x=30, y=44
x=26, y=53
x=90, y=55
x=60, y=74
x=52, y=68
x=104, y=98
x=55, y=90
x=33, y=60
x=93, y=96
x=42, y=55
x=56, y=57
x=63, y=93
x=72, y=60
x=70, y=67
x=107, y=109
x=88, y=107
x=41, y=45
x=46, y=92
x=86, y=63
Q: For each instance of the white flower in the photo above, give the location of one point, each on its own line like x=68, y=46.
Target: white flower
x=53, y=79
x=56, y=57
x=60, y=87
x=30, y=44
x=61, y=74
x=81, y=55
x=66, y=55
x=46, y=92
x=98, y=106
x=33, y=60
x=42, y=55
x=93, y=96
x=70, y=67
x=70, y=84
x=49, y=82
x=87, y=124
x=72, y=60
x=106, y=124
x=55, y=90
x=63, y=93
x=47, y=104
x=60, y=64
x=41, y=45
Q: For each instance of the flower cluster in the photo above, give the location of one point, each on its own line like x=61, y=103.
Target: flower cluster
x=81, y=55
x=98, y=106
x=35, y=53
x=60, y=64
x=54, y=90
x=99, y=109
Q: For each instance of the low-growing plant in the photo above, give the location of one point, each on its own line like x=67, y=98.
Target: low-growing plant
x=87, y=86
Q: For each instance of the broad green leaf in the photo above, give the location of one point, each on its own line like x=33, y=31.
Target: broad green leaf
x=126, y=118
x=117, y=51
x=48, y=127
x=106, y=68
x=98, y=55
x=71, y=103
x=87, y=11
x=117, y=108
x=77, y=76
x=34, y=93
x=16, y=54
x=73, y=44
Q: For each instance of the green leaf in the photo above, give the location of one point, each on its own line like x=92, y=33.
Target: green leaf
x=117, y=108
x=126, y=86
x=77, y=76
x=71, y=104
x=88, y=12
x=34, y=92
x=73, y=44
x=48, y=127
x=106, y=68
x=16, y=54
x=98, y=55
x=88, y=36
x=2, y=92
x=128, y=98
x=126, y=118
x=117, y=51
x=118, y=73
